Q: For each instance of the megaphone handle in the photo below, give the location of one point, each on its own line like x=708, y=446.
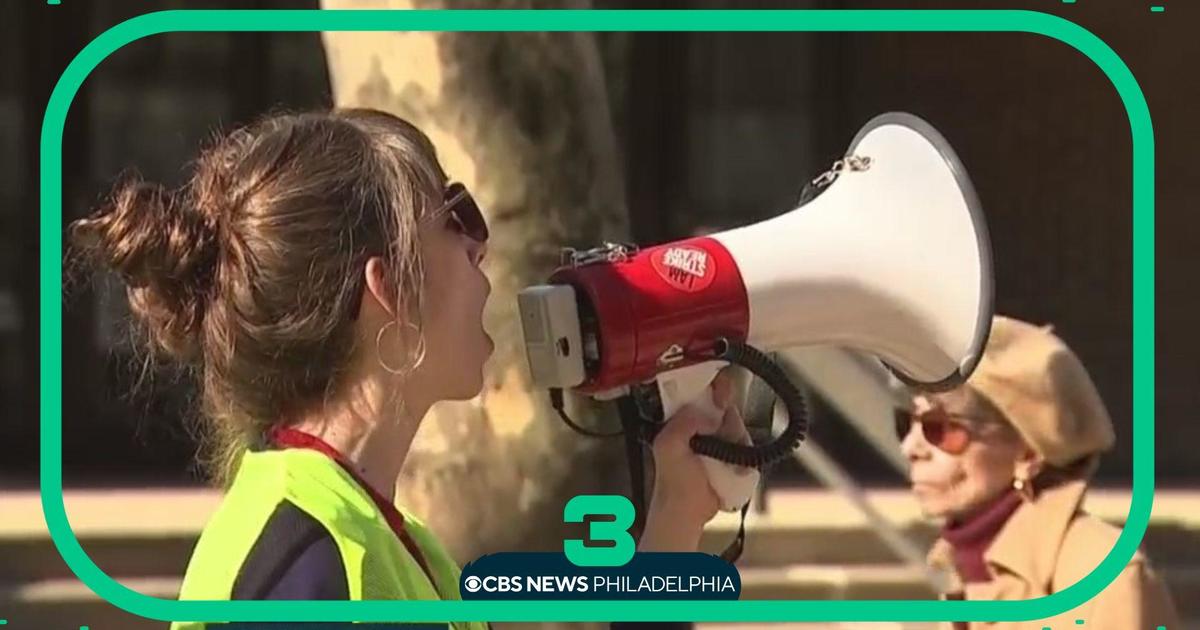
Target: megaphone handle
x=733, y=485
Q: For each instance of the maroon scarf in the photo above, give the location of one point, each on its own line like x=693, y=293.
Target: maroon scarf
x=971, y=537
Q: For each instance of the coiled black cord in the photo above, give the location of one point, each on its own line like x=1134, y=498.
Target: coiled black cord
x=759, y=456
x=637, y=430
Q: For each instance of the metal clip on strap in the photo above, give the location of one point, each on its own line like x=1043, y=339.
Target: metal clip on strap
x=608, y=252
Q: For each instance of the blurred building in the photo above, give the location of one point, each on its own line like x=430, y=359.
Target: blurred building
x=147, y=108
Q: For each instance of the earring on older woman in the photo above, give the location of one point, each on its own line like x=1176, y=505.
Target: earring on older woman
x=1023, y=486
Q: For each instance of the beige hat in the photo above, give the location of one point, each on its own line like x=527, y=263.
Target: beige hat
x=1042, y=388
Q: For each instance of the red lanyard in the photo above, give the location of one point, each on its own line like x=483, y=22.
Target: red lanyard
x=292, y=438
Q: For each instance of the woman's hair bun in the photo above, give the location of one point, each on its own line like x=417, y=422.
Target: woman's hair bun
x=165, y=250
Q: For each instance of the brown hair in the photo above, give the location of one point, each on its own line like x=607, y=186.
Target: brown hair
x=250, y=275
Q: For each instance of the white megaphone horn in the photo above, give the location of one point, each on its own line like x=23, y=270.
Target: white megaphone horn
x=891, y=258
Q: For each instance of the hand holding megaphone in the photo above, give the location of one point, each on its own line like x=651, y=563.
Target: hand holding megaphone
x=711, y=413
x=685, y=496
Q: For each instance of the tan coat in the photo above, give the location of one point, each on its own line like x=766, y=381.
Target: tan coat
x=1050, y=544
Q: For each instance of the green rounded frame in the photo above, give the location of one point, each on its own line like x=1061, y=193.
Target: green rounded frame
x=51, y=269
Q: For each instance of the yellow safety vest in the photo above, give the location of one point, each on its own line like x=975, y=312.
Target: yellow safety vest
x=377, y=564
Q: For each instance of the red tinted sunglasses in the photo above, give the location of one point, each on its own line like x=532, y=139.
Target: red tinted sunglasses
x=938, y=427
x=461, y=206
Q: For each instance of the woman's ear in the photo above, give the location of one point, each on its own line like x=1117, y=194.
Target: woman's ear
x=378, y=292
x=1028, y=465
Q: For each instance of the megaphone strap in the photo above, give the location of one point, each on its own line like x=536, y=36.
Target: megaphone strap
x=734, y=550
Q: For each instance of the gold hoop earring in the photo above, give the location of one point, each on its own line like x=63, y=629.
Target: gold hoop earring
x=379, y=352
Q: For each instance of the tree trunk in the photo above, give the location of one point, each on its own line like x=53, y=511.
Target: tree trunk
x=523, y=120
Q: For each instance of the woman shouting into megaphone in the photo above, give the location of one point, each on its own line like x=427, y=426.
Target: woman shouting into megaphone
x=321, y=277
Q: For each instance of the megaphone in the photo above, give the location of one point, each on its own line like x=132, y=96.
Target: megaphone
x=891, y=258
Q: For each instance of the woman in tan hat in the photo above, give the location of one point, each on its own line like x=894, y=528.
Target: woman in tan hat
x=1004, y=462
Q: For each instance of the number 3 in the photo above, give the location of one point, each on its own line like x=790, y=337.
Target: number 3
x=616, y=530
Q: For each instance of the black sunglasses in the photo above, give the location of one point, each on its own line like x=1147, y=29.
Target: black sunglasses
x=468, y=219
x=461, y=206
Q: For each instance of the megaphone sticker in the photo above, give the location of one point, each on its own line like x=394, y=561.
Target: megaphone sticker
x=684, y=267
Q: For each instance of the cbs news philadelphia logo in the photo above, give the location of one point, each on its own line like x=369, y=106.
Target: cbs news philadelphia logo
x=606, y=566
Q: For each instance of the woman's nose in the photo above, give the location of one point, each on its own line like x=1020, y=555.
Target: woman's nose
x=913, y=445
